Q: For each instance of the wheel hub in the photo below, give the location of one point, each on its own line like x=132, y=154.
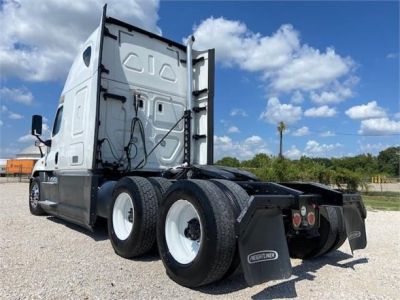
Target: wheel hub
x=192, y=231
x=130, y=215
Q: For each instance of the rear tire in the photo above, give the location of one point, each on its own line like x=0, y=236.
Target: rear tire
x=132, y=217
x=341, y=231
x=34, y=198
x=306, y=248
x=161, y=185
x=239, y=200
x=195, y=233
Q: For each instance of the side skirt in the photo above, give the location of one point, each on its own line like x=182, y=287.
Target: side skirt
x=73, y=196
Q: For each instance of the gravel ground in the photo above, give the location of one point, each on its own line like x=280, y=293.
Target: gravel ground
x=43, y=257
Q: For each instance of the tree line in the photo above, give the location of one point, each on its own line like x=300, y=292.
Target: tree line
x=346, y=172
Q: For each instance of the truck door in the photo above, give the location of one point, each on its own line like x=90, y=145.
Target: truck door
x=53, y=157
x=50, y=184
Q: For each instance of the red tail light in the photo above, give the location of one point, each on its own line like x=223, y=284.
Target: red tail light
x=296, y=219
x=311, y=218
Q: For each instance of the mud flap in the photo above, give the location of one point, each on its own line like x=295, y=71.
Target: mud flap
x=263, y=248
x=355, y=227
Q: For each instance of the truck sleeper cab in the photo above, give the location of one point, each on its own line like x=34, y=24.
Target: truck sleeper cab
x=132, y=142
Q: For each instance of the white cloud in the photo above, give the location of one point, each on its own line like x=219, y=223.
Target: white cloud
x=335, y=92
x=397, y=115
x=218, y=140
x=224, y=122
x=313, y=148
x=293, y=153
x=302, y=131
x=327, y=133
x=26, y=138
x=320, y=112
x=311, y=70
x=15, y=116
x=1, y=123
x=21, y=95
x=236, y=44
x=233, y=129
x=366, y=111
x=10, y=114
x=254, y=140
x=286, y=64
x=45, y=129
x=372, y=148
x=392, y=55
x=39, y=41
x=297, y=97
x=225, y=146
x=276, y=112
x=379, y=126
x=238, y=112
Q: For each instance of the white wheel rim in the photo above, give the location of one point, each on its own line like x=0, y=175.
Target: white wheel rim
x=123, y=216
x=183, y=249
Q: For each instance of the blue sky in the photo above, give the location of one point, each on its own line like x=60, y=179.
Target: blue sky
x=330, y=70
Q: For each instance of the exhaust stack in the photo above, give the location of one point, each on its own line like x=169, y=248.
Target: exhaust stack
x=189, y=65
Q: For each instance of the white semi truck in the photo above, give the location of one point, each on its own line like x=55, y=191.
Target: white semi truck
x=132, y=142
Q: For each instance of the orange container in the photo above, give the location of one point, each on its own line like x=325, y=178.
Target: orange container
x=20, y=166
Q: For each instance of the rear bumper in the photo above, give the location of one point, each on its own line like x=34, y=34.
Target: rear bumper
x=261, y=230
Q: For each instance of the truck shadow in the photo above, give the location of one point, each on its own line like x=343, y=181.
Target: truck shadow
x=286, y=289
x=99, y=232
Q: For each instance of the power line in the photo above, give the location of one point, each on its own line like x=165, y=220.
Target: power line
x=346, y=133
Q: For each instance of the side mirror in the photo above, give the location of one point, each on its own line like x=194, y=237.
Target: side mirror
x=36, y=125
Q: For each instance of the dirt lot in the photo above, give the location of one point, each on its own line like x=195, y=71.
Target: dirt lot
x=42, y=257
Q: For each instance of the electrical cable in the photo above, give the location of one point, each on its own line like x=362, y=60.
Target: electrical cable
x=347, y=133
x=112, y=150
x=135, y=121
x=160, y=141
x=100, y=145
x=132, y=140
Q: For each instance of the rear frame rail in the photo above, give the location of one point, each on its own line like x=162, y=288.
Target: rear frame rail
x=261, y=231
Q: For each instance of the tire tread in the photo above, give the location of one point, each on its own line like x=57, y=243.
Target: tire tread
x=333, y=222
x=149, y=208
x=341, y=231
x=161, y=186
x=142, y=238
x=225, y=229
x=241, y=199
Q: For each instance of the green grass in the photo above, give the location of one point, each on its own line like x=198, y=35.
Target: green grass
x=382, y=201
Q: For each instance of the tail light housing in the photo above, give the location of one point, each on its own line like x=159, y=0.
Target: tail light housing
x=296, y=219
x=311, y=218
